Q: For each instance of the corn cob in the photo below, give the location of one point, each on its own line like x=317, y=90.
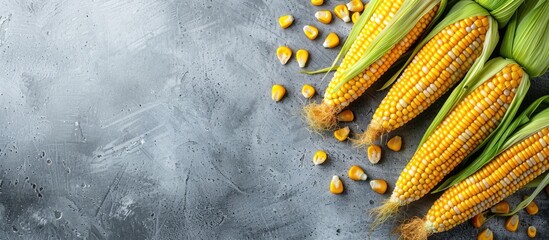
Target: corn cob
x=464, y=129
x=370, y=50
x=503, y=176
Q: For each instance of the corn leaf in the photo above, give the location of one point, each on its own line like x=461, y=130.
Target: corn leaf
x=501, y=10
x=322, y=70
x=461, y=10
x=544, y=182
x=531, y=120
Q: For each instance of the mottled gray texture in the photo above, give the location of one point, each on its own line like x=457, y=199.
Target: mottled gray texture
x=152, y=120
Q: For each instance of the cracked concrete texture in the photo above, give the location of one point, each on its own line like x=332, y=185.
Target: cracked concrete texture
x=141, y=119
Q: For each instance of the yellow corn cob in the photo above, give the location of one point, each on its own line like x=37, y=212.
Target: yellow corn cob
x=441, y=63
x=501, y=177
x=323, y=116
x=463, y=130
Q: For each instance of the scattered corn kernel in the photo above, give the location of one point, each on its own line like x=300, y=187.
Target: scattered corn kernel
x=342, y=12
x=284, y=54
x=478, y=220
x=346, y=116
x=308, y=91
x=336, y=186
x=486, y=234
x=532, y=208
x=531, y=232
x=332, y=41
x=500, y=208
x=317, y=2
x=302, y=56
x=342, y=134
x=278, y=92
x=374, y=153
x=395, y=143
x=285, y=21
x=320, y=157
x=355, y=17
x=356, y=173
x=512, y=223
x=355, y=6
x=379, y=186
x=310, y=31
x=324, y=16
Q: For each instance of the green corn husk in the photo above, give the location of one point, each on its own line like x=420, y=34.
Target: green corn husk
x=501, y=10
x=527, y=37
x=404, y=20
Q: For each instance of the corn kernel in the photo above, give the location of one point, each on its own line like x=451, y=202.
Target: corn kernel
x=320, y=157
x=512, y=223
x=302, y=56
x=332, y=41
x=395, y=143
x=342, y=12
x=336, y=186
x=379, y=186
x=531, y=232
x=342, y=134
x=486, y=234
x=278, y=92
x=317, y=2
x=374, y=153
x=500, y=208
x=284, y=54
x=285, y=21
x=478, y=220
x=356, y=173
x=532, y=208
x=355, y=6
x=324, y=16
x=345, y=116
x=310, y=31
x=308, y=91
x=355, y=17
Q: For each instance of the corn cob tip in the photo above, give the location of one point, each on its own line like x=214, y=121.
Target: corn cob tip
x=369, y=137
x=384, y=212
x=320, y=117
x=414, y=229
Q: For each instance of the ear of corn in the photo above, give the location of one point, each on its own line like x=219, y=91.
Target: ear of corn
x=382, y=34
x=524, y=155
x=463, y=40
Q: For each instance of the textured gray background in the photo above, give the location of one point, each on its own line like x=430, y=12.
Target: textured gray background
x=153, y=120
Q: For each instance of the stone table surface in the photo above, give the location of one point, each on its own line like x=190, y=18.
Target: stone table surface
x=143, y=119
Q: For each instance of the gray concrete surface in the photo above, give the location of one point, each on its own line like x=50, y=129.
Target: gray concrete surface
x=134, y=119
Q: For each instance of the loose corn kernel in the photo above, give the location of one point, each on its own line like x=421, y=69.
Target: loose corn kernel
x=336, y=186
x=342, y=134
x=302, y=56
x=532, y=208
x=355, y=17
x=356, y=173
x=284, y=54
x=342, y=12
x=320, y=157
x=332, y=41
x=308, y=91
x=345, y=116
x=478, y=220
x=486, y=234
x=501, y=207
x=395, y=143
x=285, y=21
x=355, y=6
x=317, y=2
x=310, y=31
x=278, y=92
x=379, y=186
x=531, y=232
x=324, y=16
x=512, y=223
x=374, y=153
